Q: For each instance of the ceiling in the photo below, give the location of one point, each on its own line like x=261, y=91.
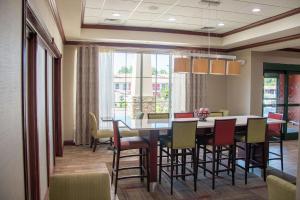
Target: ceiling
x=190, y=15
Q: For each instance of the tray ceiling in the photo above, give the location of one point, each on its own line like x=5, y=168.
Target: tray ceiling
x=192, y=15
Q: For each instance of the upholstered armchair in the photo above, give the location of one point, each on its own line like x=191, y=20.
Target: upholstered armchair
x=279, y=189
x=87, y=186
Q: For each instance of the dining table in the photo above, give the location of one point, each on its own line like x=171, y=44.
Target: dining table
x=150, y=129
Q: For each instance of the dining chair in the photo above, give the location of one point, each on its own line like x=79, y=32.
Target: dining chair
x=224, y=111
x=254, y=138
x=129, y=143
x=97, y=134
x=184, y=115
x=274, y=135
x=158, y=115
x=216, y=114
x=221, y=141
x=182, y=137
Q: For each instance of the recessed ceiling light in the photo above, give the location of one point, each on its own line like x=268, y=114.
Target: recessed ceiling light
x=116, y=15
x=172, y=19
x=221, y=24
x=256, y=10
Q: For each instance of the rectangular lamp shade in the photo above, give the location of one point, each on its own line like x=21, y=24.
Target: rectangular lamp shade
x=181, y=65
x=217, y=67
x=233, y=68
x=200, y=66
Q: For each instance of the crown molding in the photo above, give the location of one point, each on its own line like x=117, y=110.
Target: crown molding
x=57, y=19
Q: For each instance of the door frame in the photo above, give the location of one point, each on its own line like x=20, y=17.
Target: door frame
x=32, y=32
x=286, y=69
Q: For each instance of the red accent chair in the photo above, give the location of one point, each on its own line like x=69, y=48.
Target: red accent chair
x=221, y=140
x=275, y=136
x=129, y=143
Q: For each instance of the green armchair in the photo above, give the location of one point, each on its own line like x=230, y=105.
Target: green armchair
x=279, y=189
x=87, y=186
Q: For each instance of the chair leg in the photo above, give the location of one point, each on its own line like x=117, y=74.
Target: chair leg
x=113, y=167
x=204, y=160
x=172, y=169
x=218, y=160
x=183, y=163
x=110, y=141
x=148, y=169
x=141, y=165
x=92, y=142
x=176, y=157
x=246, y=162
x=264, y=160
x=229, y=158
x=281, y=153
x=95, y=144
x=213, y=166
x=160, y=163
x=232, y=156
x=117, y=171
x=195, y=169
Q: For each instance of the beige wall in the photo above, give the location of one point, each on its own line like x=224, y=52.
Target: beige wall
x=68, y=92
x=11, y=145
x=216, y=92
x=239, y=87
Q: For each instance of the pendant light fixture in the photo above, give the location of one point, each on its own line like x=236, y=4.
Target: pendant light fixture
x=233, y=68
x=200, y=66
x=181, y=65
x=217, y=67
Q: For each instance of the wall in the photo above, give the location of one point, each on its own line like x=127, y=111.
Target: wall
x=216, y=92
x=239, y=87
x=68, y=92
x=11, y=146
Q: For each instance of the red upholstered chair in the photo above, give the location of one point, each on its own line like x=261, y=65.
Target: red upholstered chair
x=129, y=143
x=221, y=141
x=274, y=135
x=184, y=115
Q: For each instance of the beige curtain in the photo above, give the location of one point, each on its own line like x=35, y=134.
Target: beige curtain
x=87, y=95
x=195, y=91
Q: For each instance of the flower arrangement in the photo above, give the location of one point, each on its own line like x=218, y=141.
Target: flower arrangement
x=202, y=113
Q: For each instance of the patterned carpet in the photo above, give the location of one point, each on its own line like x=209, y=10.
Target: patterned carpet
x=82, y=159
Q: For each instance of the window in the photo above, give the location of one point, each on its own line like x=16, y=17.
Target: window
x=141, y=82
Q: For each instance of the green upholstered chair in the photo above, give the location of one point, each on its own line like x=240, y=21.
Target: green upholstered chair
x=183, y=137
x=87, y=186
x=97, y=134
x=216, y=114
x=225, y=112
x=158, y=115
x=279, y=189
x=255, y=135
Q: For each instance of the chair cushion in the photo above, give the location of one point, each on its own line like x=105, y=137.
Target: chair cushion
x=133, y=143
x=125, y=132
x=280, y=189
x=104, y=133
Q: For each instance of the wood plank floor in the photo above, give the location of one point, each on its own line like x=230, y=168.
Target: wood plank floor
x=82, y=159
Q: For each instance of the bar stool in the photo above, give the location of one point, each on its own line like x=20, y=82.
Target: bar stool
x=221, y=141
x=183, y=137
x=216, y=114
x=275, y=135
x=129, y=143
x=255, y=135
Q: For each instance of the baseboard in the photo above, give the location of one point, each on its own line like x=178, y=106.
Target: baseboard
x=69, y=142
